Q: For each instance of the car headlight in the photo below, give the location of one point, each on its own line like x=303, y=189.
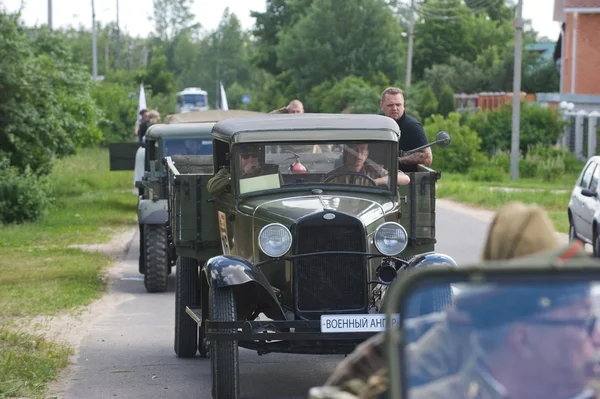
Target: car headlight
x=390, y=239
x=274, y=240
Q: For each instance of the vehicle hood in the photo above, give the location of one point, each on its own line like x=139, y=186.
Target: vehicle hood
x=368, y=208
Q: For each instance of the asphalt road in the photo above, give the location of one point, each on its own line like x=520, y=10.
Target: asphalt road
x=128, y=353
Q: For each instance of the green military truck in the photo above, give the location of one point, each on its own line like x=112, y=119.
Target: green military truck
x=310, y=239
x=181, y=134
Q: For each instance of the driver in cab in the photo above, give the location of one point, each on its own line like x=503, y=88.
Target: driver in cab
x=359, y=170
x=250, y=166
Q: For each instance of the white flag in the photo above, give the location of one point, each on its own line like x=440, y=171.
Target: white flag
x=141, y=101
x=224, y=105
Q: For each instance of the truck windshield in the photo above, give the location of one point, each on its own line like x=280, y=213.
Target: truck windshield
x=356, y=163
x=187, y=147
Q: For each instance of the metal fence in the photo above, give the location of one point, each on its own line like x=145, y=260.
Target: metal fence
x=581, y=133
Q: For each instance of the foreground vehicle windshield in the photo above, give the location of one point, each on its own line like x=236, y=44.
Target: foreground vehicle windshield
x=271, y=166
x=510, y=339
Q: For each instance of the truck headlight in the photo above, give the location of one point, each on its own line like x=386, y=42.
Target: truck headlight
x=390, y=239
x=274, y=240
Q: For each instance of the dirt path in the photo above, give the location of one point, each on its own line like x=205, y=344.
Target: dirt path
x=70, y=328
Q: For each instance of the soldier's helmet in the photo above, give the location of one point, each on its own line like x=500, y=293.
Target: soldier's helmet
x=519, y=230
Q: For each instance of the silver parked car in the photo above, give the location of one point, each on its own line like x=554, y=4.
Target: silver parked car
x=584, y=206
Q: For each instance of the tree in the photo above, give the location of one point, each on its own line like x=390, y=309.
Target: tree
x=428, y=104
x=46, y=110
x=449, y=28
x=446, y=101
x=171, y=17
x=495, y=9
x=351, y=93
x=279, y=16
x=360, y=39
x=221, y=56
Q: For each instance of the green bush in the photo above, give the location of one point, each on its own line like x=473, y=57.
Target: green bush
x=23, y=195
x=463, y=153
x=119, y=111
x=540, y=161
x=547, y=163
x=539, y=125
x=487, y=173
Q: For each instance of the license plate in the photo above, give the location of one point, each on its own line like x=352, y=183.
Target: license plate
x=355, y=323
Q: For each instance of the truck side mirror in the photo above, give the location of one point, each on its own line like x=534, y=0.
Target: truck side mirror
x=443, y=139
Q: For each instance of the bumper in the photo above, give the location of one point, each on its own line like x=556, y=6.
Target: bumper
x=280, y=330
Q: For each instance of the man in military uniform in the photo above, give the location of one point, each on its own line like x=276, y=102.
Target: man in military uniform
x=530, y=341
x=249, y=167
x=355, y=161
x=516, y=231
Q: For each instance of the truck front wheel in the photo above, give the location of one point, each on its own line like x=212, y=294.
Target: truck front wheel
x=156, y=258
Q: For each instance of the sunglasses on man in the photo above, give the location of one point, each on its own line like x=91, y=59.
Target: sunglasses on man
x=588, y=323
x=246, y=155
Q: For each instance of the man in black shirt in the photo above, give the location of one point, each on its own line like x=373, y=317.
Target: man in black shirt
x=412, y=134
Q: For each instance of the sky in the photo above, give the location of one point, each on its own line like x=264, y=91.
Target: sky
x=133, y=13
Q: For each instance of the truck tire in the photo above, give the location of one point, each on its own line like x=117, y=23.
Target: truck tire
x=186, y=294
x=156, y=258
x=141, y=265
x=224, y=354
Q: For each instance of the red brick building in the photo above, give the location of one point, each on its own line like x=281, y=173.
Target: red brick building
x=580, y=46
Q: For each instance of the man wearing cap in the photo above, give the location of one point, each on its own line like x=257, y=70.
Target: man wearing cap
x=249, y=167
x=532, y=341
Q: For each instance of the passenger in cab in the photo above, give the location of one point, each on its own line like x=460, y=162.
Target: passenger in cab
x=357, y=168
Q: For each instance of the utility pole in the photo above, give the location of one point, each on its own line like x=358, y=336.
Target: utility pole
x=118, y=39
x=411, y=28
x=516, y=102
x=50, y=14
x=94, y=53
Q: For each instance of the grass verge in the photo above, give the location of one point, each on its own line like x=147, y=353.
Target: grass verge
x=552, y=196
x=40, y=274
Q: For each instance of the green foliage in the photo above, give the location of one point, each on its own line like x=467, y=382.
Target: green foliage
x=23, y=195
x=332, y=42
x=46, y=110
x=279, y=16
x=427, y=104
x=119, y=111
x=543, y=162
x=158, y=78
x=27, y=362
x=538, y=126
x=351, y=93
x=446, y=102
x=463, y=153
x=171, y=17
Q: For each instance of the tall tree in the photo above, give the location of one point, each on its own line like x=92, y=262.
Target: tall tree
x=171, y=17
x=279, y=16
x=360, y=38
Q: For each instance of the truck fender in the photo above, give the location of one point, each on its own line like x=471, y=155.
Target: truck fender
x=252, y=289
x=153, y=212
x=432, y=259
